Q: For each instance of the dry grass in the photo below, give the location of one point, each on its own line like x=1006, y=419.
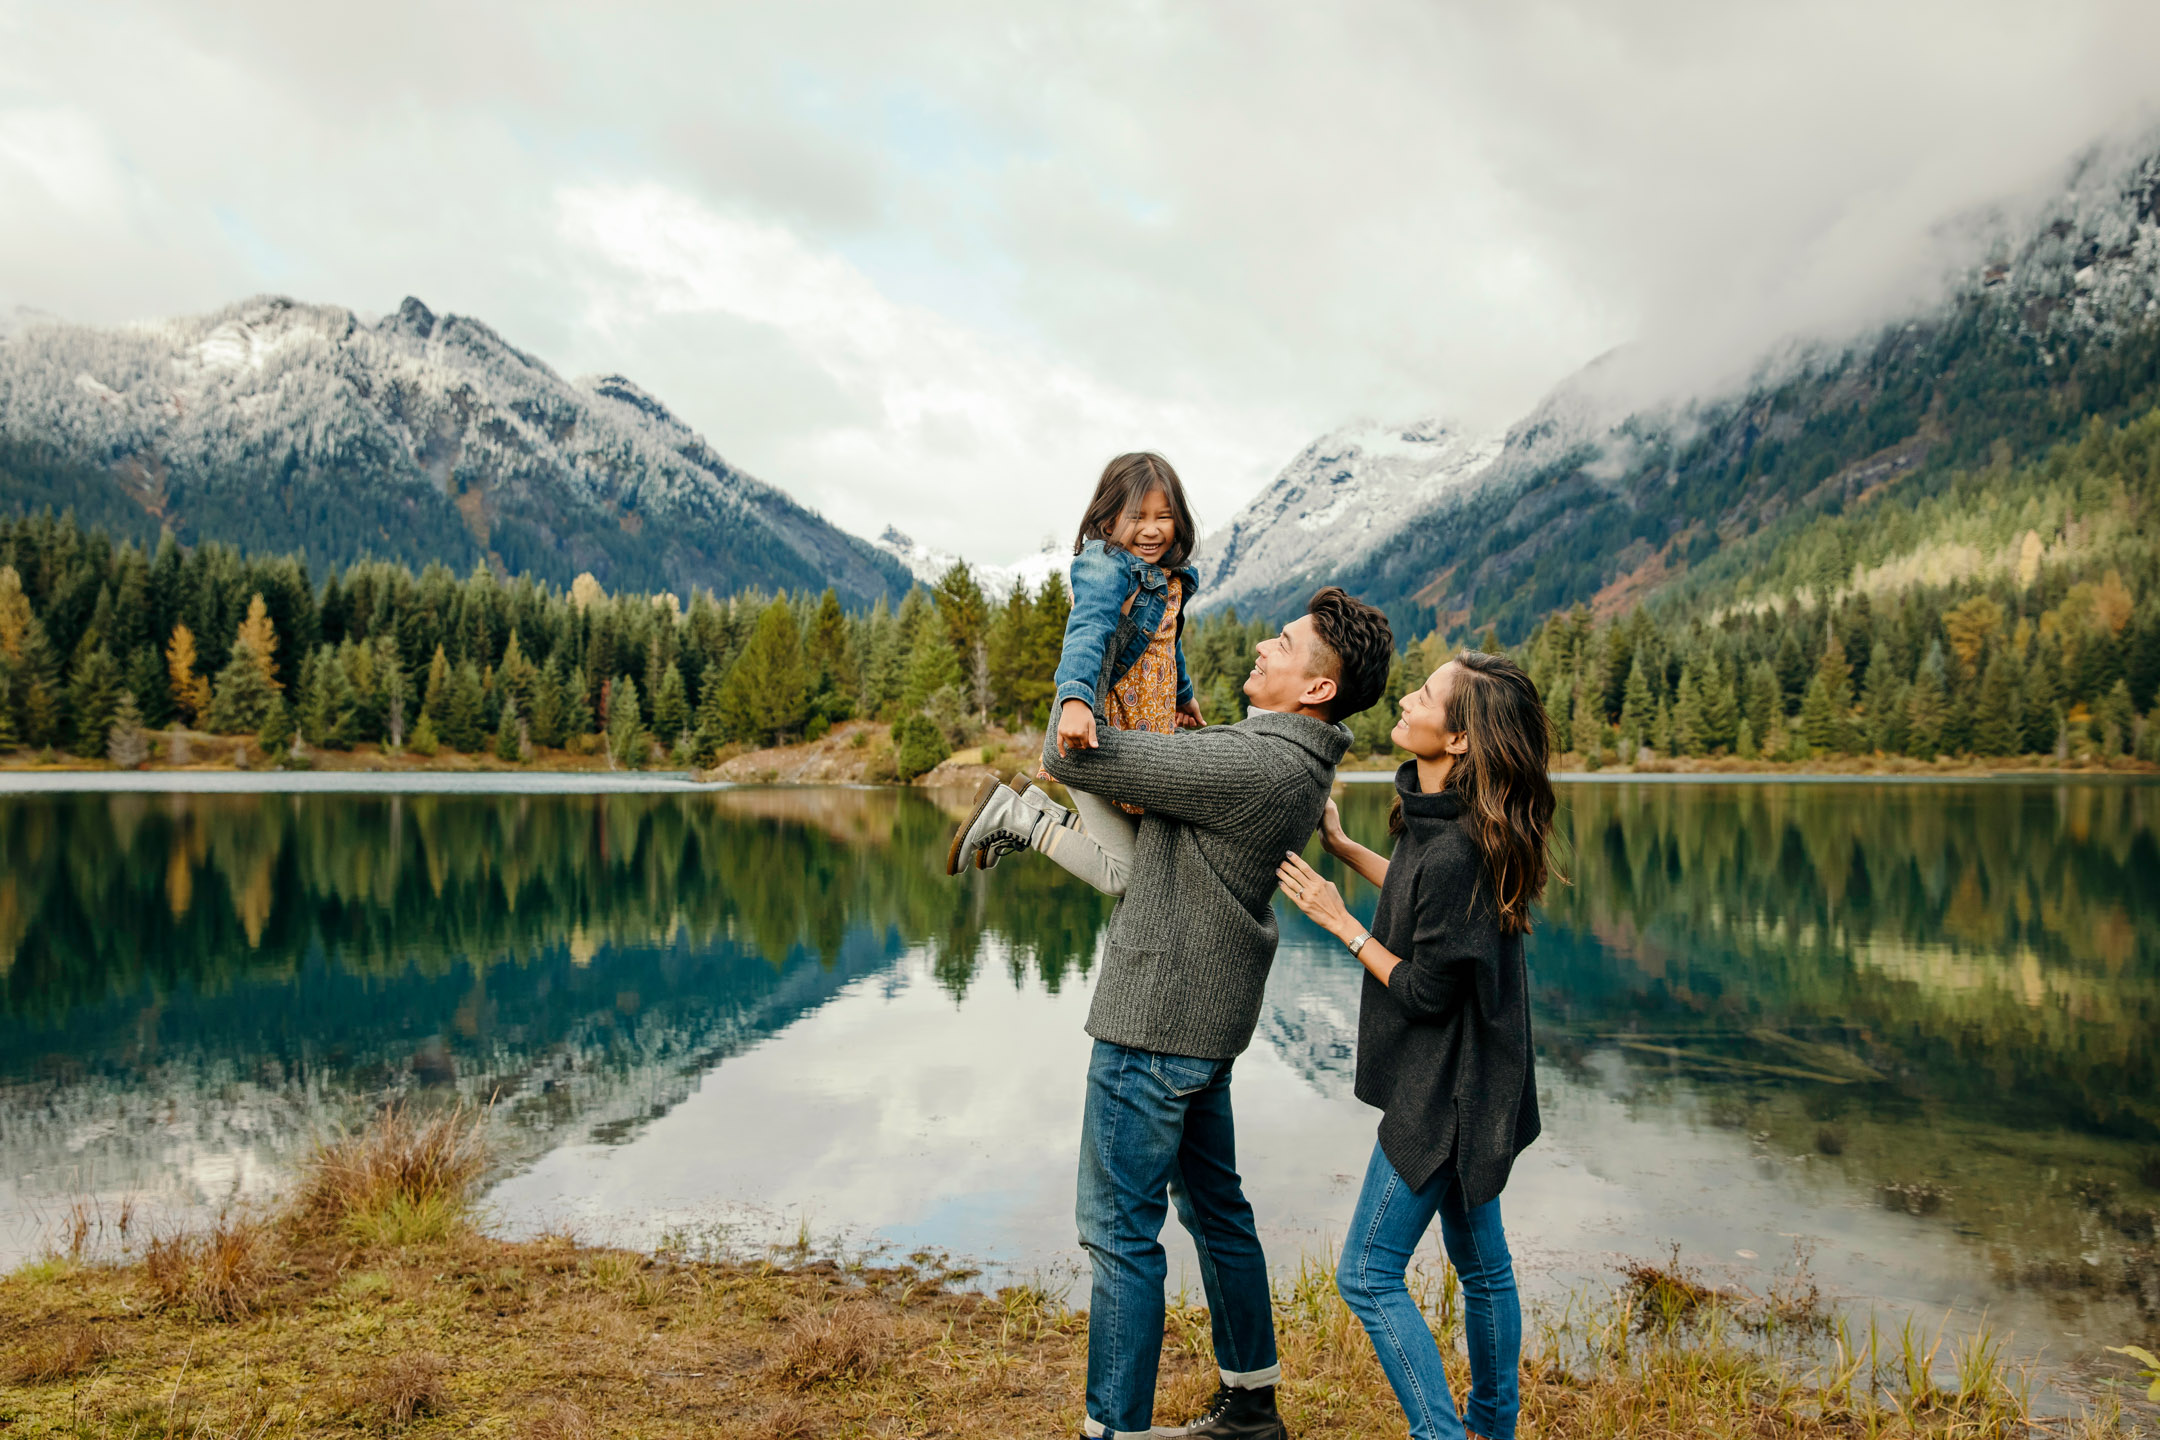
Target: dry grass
x=405, y=1179
x=61, y=1353
x=316, y=1323
x=219, y=1276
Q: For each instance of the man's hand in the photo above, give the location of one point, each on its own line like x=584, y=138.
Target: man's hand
x=1188, y=715
x=1076, y=727
x=1332, y=835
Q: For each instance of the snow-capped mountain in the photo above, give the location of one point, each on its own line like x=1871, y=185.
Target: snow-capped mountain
x=277, y=425
x=1346, y=493
x=928, y=565
x=1601, y=495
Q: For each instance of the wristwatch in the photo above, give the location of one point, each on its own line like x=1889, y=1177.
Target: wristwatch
x=1359, y=943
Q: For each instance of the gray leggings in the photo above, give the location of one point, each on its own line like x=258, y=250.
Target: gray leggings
x=1100, y=848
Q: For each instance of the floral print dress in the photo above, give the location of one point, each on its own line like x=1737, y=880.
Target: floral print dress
x=1145, y=697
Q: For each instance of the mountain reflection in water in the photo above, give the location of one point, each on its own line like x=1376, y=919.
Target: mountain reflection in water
x=1930, y=1007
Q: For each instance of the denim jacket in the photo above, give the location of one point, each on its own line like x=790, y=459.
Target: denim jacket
x=1101, y=641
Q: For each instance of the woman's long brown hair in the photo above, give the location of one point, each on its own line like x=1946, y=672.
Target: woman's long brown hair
x=1502, y=780
x=1125, y=484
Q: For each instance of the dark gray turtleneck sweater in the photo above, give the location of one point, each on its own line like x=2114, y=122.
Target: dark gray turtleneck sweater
x=1444, y=1045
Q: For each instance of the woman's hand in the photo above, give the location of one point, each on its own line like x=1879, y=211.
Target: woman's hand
x=1076, y=727
x=1188, y=715
x=1316, y=896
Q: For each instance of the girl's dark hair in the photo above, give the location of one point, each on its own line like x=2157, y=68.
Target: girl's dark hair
x=1502, y=780
x=1125, y=483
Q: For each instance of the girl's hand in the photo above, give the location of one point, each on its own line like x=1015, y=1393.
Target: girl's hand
x=1188, y=715
x=1332, y=835
x=1076, y=727
x=1317, y=897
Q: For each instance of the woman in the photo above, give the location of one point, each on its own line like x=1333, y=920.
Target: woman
x=1444, y=1025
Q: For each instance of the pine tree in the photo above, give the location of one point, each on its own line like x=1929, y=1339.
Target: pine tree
x=1826, y=709
x=517, y=676
x=190, y=691
x=1996, y=730
x=278, y=736
x=242, y=697
x=1721, y=707
x=1636, y=712
x=1791, y=671
x=577, y=709
x=93, y=697
x=671, y=706
x=1763, y=707
x=826, y=651
x=435, y=696
x=1744, y=739
x=626, y=723
x=961, y=605
x=2040, y=699
x=509, y=733
x=145, y=677
x=463, y=726
x=1688, y=726
x=1929, y=706
x=548, y=710
x=764, y=696
x=125, y=744
x=2115, y=718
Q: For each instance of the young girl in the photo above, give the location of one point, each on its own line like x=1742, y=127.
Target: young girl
x=1131, y=581
x=1444, y=1025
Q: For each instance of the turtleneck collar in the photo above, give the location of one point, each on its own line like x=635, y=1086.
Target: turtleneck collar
x=1424, y=813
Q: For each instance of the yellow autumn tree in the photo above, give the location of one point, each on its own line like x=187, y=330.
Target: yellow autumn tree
x=14, y=613
x=260, y=636
x=190, y=691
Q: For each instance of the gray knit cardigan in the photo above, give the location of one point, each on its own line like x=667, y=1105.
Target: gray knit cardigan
x=1190, y=945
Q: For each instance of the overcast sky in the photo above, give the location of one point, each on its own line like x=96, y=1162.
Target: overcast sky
x=931, y=264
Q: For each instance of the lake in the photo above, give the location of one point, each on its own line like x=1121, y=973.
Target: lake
x=1907, y=1031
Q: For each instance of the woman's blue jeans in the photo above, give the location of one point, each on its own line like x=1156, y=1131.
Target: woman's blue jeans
x=1391, y=1218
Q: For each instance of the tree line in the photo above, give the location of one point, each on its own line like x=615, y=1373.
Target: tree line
x=113, y=648
x=2014, y=613
x=2017, y=612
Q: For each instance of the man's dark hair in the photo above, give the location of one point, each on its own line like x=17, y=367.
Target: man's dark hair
x=1361, y=643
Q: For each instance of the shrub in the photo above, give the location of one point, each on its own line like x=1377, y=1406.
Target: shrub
x=918, y=745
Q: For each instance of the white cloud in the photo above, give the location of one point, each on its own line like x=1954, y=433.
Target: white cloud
x=956, y=434
x=997, y=243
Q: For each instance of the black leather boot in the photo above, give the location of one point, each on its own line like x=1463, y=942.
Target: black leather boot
x=1239, y=1415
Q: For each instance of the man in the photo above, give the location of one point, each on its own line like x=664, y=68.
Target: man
x=1185, y=964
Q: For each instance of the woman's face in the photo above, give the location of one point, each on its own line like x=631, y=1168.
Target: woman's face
x=1148, y=530
x=1424, y=729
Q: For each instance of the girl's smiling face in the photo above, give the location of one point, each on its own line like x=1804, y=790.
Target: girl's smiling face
x=1148, y=531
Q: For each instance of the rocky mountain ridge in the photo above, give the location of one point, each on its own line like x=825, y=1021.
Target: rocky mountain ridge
x=276, y=425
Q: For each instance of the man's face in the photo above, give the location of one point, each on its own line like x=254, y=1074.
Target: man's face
x=1282, y=675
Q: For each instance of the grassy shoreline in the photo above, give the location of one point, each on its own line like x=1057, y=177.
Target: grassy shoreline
x=370, y=1304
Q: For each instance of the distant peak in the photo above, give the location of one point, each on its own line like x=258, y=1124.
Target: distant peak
x=413, y=318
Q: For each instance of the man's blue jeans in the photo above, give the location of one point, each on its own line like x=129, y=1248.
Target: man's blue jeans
x=1391, y=1218
x=1158, y=1130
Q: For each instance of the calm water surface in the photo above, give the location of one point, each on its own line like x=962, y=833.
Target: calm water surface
x=1908, y=1030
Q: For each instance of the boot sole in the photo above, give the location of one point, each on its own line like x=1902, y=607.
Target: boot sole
x=989, y=788
x=1019, y=785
